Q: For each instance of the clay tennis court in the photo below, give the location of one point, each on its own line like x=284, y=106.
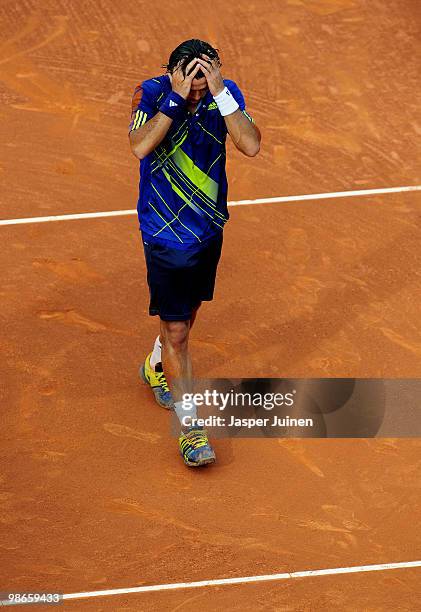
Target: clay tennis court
x=94, y=496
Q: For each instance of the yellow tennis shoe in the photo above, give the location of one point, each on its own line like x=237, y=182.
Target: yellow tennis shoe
x=195, y=448
x=155, y=378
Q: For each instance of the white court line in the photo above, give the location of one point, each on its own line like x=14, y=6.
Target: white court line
x=297, y=198
x=244, y=579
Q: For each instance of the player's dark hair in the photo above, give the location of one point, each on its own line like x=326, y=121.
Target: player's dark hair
x=187, y=51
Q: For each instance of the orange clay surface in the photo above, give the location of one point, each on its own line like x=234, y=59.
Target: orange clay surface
x=93, y=494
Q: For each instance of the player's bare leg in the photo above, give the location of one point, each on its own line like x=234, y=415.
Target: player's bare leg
x=175, y=357
x=193, y=442
x=152, y=371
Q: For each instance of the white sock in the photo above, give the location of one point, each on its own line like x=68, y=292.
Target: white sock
x=156, y=353
x=182, y=412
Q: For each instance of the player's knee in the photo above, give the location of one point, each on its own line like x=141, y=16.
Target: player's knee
x=176, y=334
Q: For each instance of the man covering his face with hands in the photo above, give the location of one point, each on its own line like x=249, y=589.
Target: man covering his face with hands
x=178, y=130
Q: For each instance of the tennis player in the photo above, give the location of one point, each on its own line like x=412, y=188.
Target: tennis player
x=178, y=130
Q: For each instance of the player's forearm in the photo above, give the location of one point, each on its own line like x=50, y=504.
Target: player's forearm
x=147, y=137
x=244, y=134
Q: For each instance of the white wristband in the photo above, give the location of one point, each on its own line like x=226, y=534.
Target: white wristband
x=226, y=103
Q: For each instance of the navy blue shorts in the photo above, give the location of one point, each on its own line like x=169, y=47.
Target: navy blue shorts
x=179, y=280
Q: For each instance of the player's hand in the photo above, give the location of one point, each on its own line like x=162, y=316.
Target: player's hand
x=210, y=68
x=181, y=84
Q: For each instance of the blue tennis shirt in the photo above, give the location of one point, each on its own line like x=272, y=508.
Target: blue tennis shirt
x=183, y=183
